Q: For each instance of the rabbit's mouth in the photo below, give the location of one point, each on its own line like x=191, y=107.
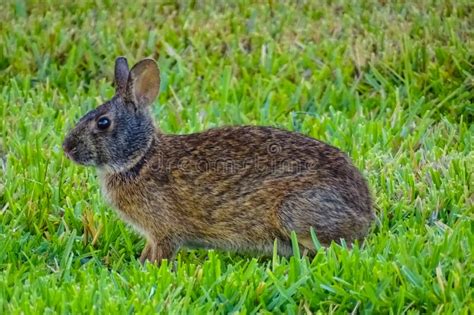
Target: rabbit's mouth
x=68, y=155
x=72, y=154
x=72, y=151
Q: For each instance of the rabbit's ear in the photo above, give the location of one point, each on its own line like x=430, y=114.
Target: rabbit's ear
x=121, y=75
x=143, y=83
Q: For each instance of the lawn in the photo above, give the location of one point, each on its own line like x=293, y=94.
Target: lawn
x=391, y=84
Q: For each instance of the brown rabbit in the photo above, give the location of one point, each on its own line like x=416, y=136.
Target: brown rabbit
x=231, y=188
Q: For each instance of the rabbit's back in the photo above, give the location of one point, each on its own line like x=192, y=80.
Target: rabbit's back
x=230, y=163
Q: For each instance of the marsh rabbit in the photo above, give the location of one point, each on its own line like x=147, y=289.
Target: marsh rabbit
x=230, y=188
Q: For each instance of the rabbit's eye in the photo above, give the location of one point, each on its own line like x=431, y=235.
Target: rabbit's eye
x=103, y=123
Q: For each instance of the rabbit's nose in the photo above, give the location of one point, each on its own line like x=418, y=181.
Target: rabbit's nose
x=66, y=151
x=68, y=146
x=65, y=146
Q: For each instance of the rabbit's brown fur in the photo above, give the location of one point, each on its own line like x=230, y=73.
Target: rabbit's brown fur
x=232, y=188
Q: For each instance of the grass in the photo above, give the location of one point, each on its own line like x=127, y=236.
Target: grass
x=391, y=84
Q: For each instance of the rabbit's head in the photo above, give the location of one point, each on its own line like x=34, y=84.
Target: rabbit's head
x=117, y=134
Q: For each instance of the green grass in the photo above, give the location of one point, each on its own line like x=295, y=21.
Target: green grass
x=392, y=85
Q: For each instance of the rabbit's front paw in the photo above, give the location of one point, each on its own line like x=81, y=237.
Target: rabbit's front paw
x=146, y=253
x=154, y=252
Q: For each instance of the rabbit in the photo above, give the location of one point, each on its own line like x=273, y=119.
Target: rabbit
x=237, y=188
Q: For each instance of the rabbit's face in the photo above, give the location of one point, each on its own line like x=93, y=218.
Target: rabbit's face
x=110, y=136
x=115, y=135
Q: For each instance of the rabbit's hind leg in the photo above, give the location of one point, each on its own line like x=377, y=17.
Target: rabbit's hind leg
x=325, y=211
